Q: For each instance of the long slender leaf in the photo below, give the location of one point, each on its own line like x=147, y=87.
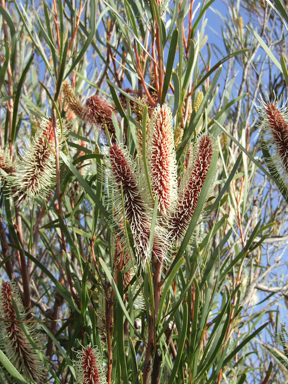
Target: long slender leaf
x=180, y=344
x=93, y=26
x=170, y=62
x=117, y=294
x=11, y=369
x=17, y=98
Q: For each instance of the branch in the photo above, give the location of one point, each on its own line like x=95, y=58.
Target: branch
x=264, y=288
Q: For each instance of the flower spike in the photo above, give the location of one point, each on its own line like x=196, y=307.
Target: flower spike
x=37, y=171
x=97, y=111
x=71, y=100
x=135, y=210
x=136, y=213
x=90, y=367
x=275, y=123
x=12, y=337
x=162, y=158
x=180, y=219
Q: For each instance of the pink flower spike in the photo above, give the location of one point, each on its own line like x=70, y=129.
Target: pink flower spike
x=134, y=205
x=12, y=337
x=99, y=112
x=182, y=216
x=279, y=129
x=71, y=100
x=90, y=367
x=36, y=172
x=162, y=158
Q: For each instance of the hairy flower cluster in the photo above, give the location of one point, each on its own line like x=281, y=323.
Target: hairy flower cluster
x=13, y=339
x=36, y=172
x=275, y=131
x=124, y=181
x=162, y=158
x=181, y=217
x=89, y=367
x=174, y=213
x=97, y=111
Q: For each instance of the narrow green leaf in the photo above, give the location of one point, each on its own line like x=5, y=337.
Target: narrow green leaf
x=151, y=290
x=59, y=348
x=131, y=17
x=80, y=159
x=242, y=379
x=176, y=93
x=4, y=67
x=117, y=294
x=193, y=122
x=278, y=355
x=170, y=62
x=244, y=150
x=274, y=174
x=120, y=331
x=37, y=46
x=117, y=101
x=92, y=12
x=180, y=344
x=243, y=343
x=219, y=331
x=10, y=23
x=167, y=286
x=4, y=261
x=284, y=68
x=218, y=65
x=199, y=207
x=243, y=253
x=11, y=369
x=17, y=98
x=153, y=223
x=265, y=47
x=84, y=184
x=201, y=13
x=59, y=287
x=157, y=19
x=61, y=71
x=281, y=9
x=144, y=157
x=227, y=184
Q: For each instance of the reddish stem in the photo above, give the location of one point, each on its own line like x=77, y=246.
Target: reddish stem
x=142, y=77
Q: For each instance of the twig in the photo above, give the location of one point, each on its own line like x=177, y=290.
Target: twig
x=76, y=27
x=142, y=77
x=56, y=24
x=160, y=64
x=155, y=71
x=4, y=244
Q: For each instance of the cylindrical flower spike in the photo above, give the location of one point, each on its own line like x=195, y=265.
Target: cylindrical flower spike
x=71, y=100
x=135, y=212
x=198, y=101
x=186, y=206
x=97, y=111
x=162, y=158
x=37, y=171
x=135, y=208
x=90, y=367
x=277, y=124
x=12, y=337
